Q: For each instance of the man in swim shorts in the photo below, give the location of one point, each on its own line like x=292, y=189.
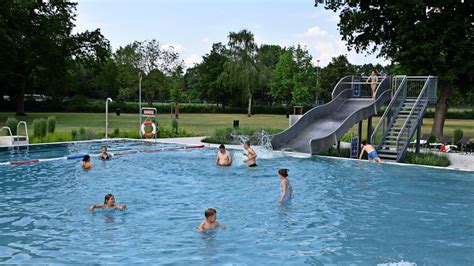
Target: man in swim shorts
x=104, y=155
x=86, y=162
x=109, y=203
x=210, y=222
x=223, y=157
x=251, y=155
x=371, y=152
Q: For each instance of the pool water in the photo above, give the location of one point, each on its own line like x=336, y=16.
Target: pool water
x=343, y=212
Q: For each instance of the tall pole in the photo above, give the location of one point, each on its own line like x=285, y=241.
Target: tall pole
x=317, y=81
x=107, y=117
x=140, y=101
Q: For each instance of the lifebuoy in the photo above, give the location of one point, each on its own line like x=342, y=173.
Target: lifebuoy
x=148, y=123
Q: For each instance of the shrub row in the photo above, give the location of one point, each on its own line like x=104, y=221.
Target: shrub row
x=431, y=159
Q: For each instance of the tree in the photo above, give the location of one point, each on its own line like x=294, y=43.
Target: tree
x=242, y=48
x=37, y=42
x=425, y=37
x=266, y=60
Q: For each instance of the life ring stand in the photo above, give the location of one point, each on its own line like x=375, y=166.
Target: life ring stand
x=148, y=123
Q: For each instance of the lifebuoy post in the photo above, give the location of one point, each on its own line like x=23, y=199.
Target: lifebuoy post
x=149, y=128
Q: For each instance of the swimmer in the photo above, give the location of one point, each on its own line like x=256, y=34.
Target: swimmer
x=251, y=155
x=86, y=162
x=371, y=152
x=104, y=155
x=223, y=157
x=286, y=189
x=109, y=203
x=210, y=222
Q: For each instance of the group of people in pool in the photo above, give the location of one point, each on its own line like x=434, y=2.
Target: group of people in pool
x=223, y=158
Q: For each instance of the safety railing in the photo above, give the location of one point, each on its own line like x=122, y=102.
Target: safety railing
x=11, y=135
x=18, y=131
x=415, y=116
x=393, y=108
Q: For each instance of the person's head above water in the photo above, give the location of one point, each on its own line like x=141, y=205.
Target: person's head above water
x=247, y=143
x=109, y=197
x=86, y=158
x=104, y=149
x=222, y=148
x=210, y=214
x=283, y=172
x=364, y=142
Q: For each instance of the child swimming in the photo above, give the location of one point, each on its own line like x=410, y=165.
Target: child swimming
x=371, y=152
x=86, y=162
x=251, y=155
x=210, y=222
x=286, y=190
x=109, y=203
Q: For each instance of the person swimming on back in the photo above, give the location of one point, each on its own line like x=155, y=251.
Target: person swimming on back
x=104, y=155
x=251, y=155
x=286, y=190
x=86, y=162
x=223, y=157
x=109, y=203
x=210, y=222
x=371, y=152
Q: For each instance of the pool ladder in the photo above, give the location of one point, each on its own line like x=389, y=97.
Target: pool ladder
x=18, y=139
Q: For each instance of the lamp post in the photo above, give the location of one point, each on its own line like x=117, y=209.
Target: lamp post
x=140, y=100
x=317, y=80
x=107, y=117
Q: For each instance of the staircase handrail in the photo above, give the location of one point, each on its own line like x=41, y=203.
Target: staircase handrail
x=18, y=130
x=340, y=86
x=415, y=107
x=389, y=107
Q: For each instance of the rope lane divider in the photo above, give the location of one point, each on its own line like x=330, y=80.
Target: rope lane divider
x=75, y=157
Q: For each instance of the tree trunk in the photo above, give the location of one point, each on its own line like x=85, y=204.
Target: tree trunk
x=441, y=110
x=249, y=109
x=20, y=84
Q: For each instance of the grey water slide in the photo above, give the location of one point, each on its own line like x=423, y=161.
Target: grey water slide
x=323, y=126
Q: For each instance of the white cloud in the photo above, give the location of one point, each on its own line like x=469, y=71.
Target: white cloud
x=313, y=32
x=205, y=40
x=192, y=59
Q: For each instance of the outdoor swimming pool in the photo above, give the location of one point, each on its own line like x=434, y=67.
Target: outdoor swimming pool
x=343, y=211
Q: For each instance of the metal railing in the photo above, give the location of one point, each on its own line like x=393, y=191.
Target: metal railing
x=18, y=131
x=386, y=121
x=416, y=114
x=10, y=132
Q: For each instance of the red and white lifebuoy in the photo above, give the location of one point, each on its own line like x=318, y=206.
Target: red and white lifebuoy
x=148, y=123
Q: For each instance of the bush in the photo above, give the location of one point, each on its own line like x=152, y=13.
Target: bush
x=239, y=135
x=39, y=128
x=12, y=124
x=175, y=125
x=84, y=134
x=116, y=133
x=74, y=134
x=426, y=159
x=51, y=124
x=53, y=137
x=458, y=134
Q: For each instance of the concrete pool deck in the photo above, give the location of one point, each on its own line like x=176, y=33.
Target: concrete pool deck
x=464, y=162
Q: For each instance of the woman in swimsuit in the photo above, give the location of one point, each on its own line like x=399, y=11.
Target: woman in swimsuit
x=104, y=155
x=374, y=79
x=109, y=203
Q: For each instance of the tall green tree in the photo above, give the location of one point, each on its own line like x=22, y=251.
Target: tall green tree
x=425, y=37
x=332, y=73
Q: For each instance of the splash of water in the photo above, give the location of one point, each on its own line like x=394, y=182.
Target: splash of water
x=261, y=140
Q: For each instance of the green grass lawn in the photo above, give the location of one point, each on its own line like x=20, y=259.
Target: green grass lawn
x=198, y=124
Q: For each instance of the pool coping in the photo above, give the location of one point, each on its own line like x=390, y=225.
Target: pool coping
x=198, y=141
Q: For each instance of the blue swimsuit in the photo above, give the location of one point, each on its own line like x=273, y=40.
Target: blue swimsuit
x=373, y=154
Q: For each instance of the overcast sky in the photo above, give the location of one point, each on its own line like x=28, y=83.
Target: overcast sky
x=191, y=26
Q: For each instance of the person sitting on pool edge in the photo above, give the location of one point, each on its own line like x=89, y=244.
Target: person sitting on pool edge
x=286, y=189
x=86, y=162
x=104, y=155
x=210, y=222
x=251, y=155
x=371, y=152
x=223, y=157
x=109, y=203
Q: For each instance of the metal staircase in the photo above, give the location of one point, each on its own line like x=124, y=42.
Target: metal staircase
x=403, y=115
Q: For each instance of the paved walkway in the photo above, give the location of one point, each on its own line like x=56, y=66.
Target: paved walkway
x=458, y=161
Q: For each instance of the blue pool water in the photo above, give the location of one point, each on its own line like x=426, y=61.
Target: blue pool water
x=343, y=212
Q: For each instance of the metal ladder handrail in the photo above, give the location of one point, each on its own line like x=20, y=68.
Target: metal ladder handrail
x=11, y=135
x=387, y=110
x=405, y=124
x=18, y=131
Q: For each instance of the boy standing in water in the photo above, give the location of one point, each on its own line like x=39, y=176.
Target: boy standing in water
x=285, y=186
x=371, y=152
x=210, y=222
x=109, y=203
x=223, y=157
x=251, y=155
